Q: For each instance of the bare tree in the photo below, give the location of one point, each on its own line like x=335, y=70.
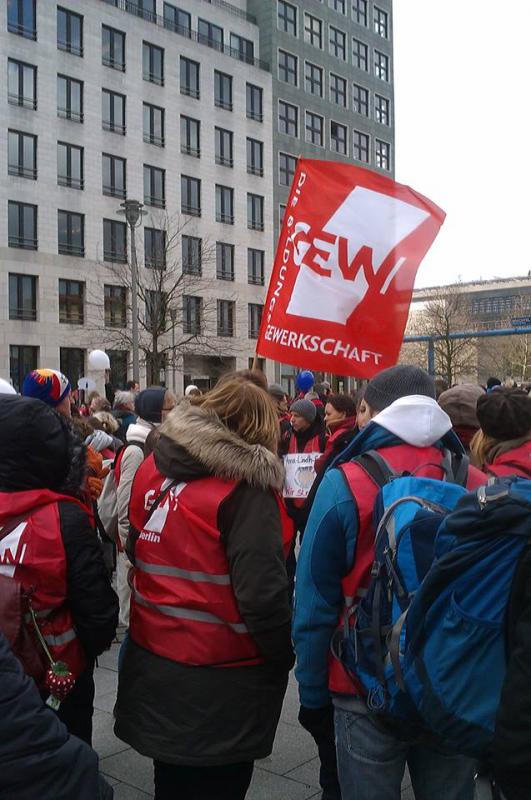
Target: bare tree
x=509, y=356
x=446, y=313
x=175, y=307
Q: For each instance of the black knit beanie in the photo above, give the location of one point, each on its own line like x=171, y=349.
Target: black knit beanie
x=505, y=414
x=149, y=403
x=395, y=382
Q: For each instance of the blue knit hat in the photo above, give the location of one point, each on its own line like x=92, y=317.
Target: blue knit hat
x=48, y=385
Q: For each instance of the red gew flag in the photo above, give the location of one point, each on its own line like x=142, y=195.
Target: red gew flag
x=350, y=246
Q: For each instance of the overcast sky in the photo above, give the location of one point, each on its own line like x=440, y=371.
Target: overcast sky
x=462, y=93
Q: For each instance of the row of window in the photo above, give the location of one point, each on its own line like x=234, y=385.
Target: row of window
x=314, y=28
x=22, y=91
x=72, y=296
x=22, y=156
x=21, y=20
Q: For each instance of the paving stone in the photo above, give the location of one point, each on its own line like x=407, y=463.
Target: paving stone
x=122, y=791
x=106, y=680
x=105, y=702
x=292, y=747
x=105, y=742
x=307, y=773
x=268, y=786
x=109, y=659
x=130, y=767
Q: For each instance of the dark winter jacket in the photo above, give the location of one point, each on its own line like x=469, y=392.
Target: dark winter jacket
x=208, y=715
x=512, y=740
x=125, y=417
x=38, y=758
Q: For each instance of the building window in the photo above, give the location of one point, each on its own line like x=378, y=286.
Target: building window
x=191, y=255
x=288, y=68
x=118, y=371
x=338, y=90
x=254, y=98
x=313, y=79
x=192, y=314
x=360, y=146
x=223, y=147
x=190, y=196
x=71, y=233
x=113, y=48
x=338, y=138
x=22, y=225
x=22, y=359
x=381, y=66
x=21, y=84
x=153, y=63
x=224, y=204
x=255, y=267
x=69, y=31
x=287, y=17
x=177, y=20
x=337, y=43
x=115, y=306
x=360, y=55
x=114, y=241
x=153, y=125
x=241, y=48
x=21, y=18
x=114, y=183
x=23, y=297
x=288, y=118
x=314, y=129
x=22, y=155
x=224, y=261
x=70, y=165
x=360, y=100
x=255, y=212
x=381, y=22
x=209, y=34
x=286, y=168
x=359, y=12
x=71, y=302
x=190, y=136
x=69, y=98
x=255, y=319
x=189, y=77
x=154, y=248
x=255, y=157
x=338, y=5
x=382, y=110
x=154, y=186
x=313, y=31
x=281, y=214
x=225, y=318
x=156, y=308
x=113, y=112
x=223, y=90
x=72, y=363
x=383, y=154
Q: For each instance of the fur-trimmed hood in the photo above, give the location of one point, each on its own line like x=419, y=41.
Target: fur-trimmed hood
x=215, y=450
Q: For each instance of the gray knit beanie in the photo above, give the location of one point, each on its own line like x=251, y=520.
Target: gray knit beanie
x=395, y=382
x=305, y=409
x=277, y=391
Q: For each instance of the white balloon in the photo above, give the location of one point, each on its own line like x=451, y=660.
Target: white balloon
x=98, y=359
x=5, y=387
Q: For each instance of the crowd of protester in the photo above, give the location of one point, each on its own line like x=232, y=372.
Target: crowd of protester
x=225, y=531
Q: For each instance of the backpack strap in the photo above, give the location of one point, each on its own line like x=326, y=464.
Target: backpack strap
x=455, y=467
x=376, y=467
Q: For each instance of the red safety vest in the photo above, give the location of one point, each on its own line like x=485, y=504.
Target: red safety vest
x=183, y=605
x=402, y=458
x=33, y=554
x=515, y=462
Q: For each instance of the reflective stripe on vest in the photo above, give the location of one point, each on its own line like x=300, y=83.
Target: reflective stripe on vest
x=62, y=638
x=186, y=574
x=187, y=613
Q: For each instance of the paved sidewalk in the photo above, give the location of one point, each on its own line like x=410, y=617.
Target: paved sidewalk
x=290, y=773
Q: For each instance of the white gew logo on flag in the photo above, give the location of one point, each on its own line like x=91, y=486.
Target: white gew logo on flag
x=11, y=553
x=333, y=270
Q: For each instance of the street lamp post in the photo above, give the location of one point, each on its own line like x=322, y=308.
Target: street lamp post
x=173, y=315
x=133, y=212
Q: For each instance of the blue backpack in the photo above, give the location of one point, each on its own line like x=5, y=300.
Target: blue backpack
x=455, y=659
x=408, y=511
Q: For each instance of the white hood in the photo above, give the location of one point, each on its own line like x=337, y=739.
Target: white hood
x=416, y=419
x=139, y=431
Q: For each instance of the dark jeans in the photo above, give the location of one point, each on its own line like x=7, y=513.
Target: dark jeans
x=77, y=708
x=319, y=722
x=229, y=782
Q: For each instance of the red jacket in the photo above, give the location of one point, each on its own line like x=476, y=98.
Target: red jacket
x=402, y=458
x=183, y=606
x=33, y=554
x=514, y=462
